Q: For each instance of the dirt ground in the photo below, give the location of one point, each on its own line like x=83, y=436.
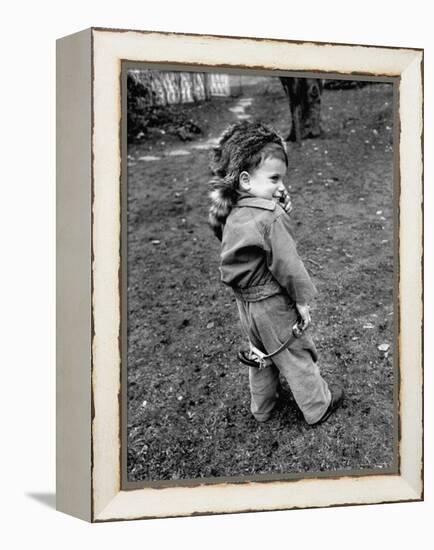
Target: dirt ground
x=188, y=396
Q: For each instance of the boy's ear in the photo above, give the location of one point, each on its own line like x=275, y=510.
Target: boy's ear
x=245, y=181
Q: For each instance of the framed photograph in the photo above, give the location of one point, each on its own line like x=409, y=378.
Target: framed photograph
x=239, y=274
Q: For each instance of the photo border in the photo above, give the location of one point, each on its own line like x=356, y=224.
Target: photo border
x=96, y=494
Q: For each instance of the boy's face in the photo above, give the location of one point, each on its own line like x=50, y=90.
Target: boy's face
x=265, y=181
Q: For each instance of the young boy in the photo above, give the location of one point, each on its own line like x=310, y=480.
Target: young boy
x=259, y=261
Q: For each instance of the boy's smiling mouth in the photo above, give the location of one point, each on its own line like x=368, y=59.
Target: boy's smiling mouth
x=278, y=195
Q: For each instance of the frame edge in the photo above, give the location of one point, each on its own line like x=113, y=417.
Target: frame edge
x=114, y=508
x=73, y=275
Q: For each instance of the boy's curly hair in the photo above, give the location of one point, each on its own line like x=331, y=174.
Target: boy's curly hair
x=242, y=147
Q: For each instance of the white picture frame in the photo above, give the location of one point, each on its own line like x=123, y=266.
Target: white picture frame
x=89, y=308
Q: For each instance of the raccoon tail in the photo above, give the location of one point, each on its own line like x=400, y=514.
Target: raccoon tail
x=222, y=201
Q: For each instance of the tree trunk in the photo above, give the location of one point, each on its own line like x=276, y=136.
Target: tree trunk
x=304, y=95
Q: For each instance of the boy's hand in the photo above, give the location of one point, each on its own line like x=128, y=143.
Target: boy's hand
x=285, y=201
x=303, y=311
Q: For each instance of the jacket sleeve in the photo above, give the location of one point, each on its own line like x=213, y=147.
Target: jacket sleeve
x=284, y=262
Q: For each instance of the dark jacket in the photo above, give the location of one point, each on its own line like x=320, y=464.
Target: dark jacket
x=258, y=249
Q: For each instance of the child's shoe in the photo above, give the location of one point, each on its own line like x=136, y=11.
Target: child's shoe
x=335, y=402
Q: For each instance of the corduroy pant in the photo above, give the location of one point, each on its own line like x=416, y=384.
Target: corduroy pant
x=267, y=323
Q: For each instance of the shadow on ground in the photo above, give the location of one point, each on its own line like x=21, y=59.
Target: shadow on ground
x=47, y=499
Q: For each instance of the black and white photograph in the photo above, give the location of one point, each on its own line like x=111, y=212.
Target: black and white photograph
x=259, y=276
x=138, y=138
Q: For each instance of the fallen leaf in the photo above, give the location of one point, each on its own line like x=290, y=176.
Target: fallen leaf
x=384, y=347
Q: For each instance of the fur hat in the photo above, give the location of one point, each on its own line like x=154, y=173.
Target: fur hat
x=239, y=149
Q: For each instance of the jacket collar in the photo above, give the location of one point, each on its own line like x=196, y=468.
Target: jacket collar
x=256, y=202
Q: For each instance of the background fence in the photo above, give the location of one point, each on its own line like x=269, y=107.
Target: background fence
x=186, y=87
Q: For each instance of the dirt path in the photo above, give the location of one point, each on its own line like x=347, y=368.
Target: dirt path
x=237, y=108
x=188, y=398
